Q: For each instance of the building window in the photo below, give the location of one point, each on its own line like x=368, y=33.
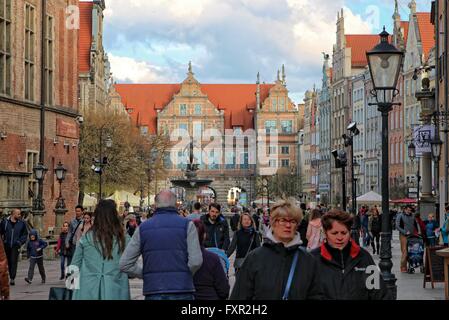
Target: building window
x=285, y=163
x=281, y=104
x=32, y=161
x=245, y=164
x=167, y=161
x=214, y=159
x=238, y=131
x=183, y=109
x=29, y=51
x=230, y=160
x=144, y=130
x=197, y=129
x=184, y=127
x=286, y=126
x=270, y=125
x=198, y=109
x=274, y=104
x=273, y=164
x=5, y=47
x=49, y=61
x=272, y=150
x=285, y=150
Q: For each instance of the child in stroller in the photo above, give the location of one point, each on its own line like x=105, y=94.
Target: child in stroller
x=415, y=253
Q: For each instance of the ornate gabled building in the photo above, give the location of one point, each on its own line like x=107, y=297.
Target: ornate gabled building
x=93, y=68
x=226, y=111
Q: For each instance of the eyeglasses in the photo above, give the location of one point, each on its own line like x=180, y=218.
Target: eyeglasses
x=284, y=222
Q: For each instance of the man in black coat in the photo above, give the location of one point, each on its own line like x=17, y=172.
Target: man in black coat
x=217, y=229
x=14, y=234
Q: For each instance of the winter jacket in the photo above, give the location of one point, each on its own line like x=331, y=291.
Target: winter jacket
x=302, y=229
x=13, y=234
x=241, y=241
x=60, y=246
x=35, y=249
x=75, y=224
x=217, y=233
x=420, y=228
x=99, y=278
x=210, y=280
x=405, y=223
x=235, y=221
x=445, y=229
x=315, y=234
x=4, y=278
x=170, y=250
x=264, y=273
x=375, y=224
x=343, y=273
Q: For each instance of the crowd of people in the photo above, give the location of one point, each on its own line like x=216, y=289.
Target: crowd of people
x=286, y=252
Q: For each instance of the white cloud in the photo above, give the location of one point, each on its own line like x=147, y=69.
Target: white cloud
x=125, y=69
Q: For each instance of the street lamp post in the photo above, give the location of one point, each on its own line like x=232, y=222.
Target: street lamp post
x=101, y=162
x=60, y=208
x=385, y=62
x=38, y=206
x=341, y=162
x=355, y=224
x=412, y=156
x=266, y=186
x=436, y=154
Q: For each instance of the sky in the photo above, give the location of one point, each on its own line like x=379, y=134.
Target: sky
x=229, y=41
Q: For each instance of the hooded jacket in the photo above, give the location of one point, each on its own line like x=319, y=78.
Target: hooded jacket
x=13, y=234
x=217, y=233
x=35, y=249
x=265, y=272
x=343, y=274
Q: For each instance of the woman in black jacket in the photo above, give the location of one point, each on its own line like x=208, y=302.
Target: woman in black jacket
x=245, y=240
x=265, y=272
x=346, y=271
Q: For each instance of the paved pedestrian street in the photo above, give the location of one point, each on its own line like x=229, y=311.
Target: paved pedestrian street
x=410, y=286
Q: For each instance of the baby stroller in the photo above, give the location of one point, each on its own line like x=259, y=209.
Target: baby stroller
x=415, y=253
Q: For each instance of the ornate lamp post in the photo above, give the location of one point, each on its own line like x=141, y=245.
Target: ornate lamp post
x=355, y=224
x=341, y=162
x=60, y=209
x=436, y=154
x=101, y=162
x=38, y=206
x=412, y=156
x=385, y=62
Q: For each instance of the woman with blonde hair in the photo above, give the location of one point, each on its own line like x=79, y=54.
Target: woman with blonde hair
x=245, y=239
x=280, y=268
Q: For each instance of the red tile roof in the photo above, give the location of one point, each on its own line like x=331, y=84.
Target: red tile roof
x=359, y=44
x=235, y=99
x=85, y=36
x=427, y=32
x=404, y=25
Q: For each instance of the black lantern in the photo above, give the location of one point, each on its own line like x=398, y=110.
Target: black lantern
x=411, y=151
x=436, y=147
x=39, y=171
x=385, y=62
x=60, y=172
x=356, y=167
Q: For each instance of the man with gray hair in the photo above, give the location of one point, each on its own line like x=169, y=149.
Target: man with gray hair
x=170, y=250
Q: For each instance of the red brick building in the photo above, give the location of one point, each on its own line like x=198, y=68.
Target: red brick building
x=32, y=79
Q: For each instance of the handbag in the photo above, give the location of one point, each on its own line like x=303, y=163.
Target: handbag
x=239, y=261
x=58, y=293
x=290, y=276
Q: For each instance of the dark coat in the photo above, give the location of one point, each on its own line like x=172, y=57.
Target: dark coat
x=242, y=240
x=265, y=271
x=210, y=280
x=343, y=274
x=4, y=278
x=13, y=235
x=217, y=233
x=35, y=249
x=302, y=229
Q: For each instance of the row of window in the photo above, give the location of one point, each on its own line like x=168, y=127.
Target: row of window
x=183, y=109
x=396, y=153
x=286, y=126
x=30, y=52
x=278, y=104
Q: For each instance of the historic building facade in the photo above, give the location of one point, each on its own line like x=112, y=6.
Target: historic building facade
x=229, y=112
x=31, y=80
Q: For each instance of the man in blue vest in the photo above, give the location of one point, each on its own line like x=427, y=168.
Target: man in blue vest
x=170, y=250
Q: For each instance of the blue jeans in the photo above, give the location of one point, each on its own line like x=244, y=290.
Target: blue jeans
x=171, y=296
x=63, y=258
